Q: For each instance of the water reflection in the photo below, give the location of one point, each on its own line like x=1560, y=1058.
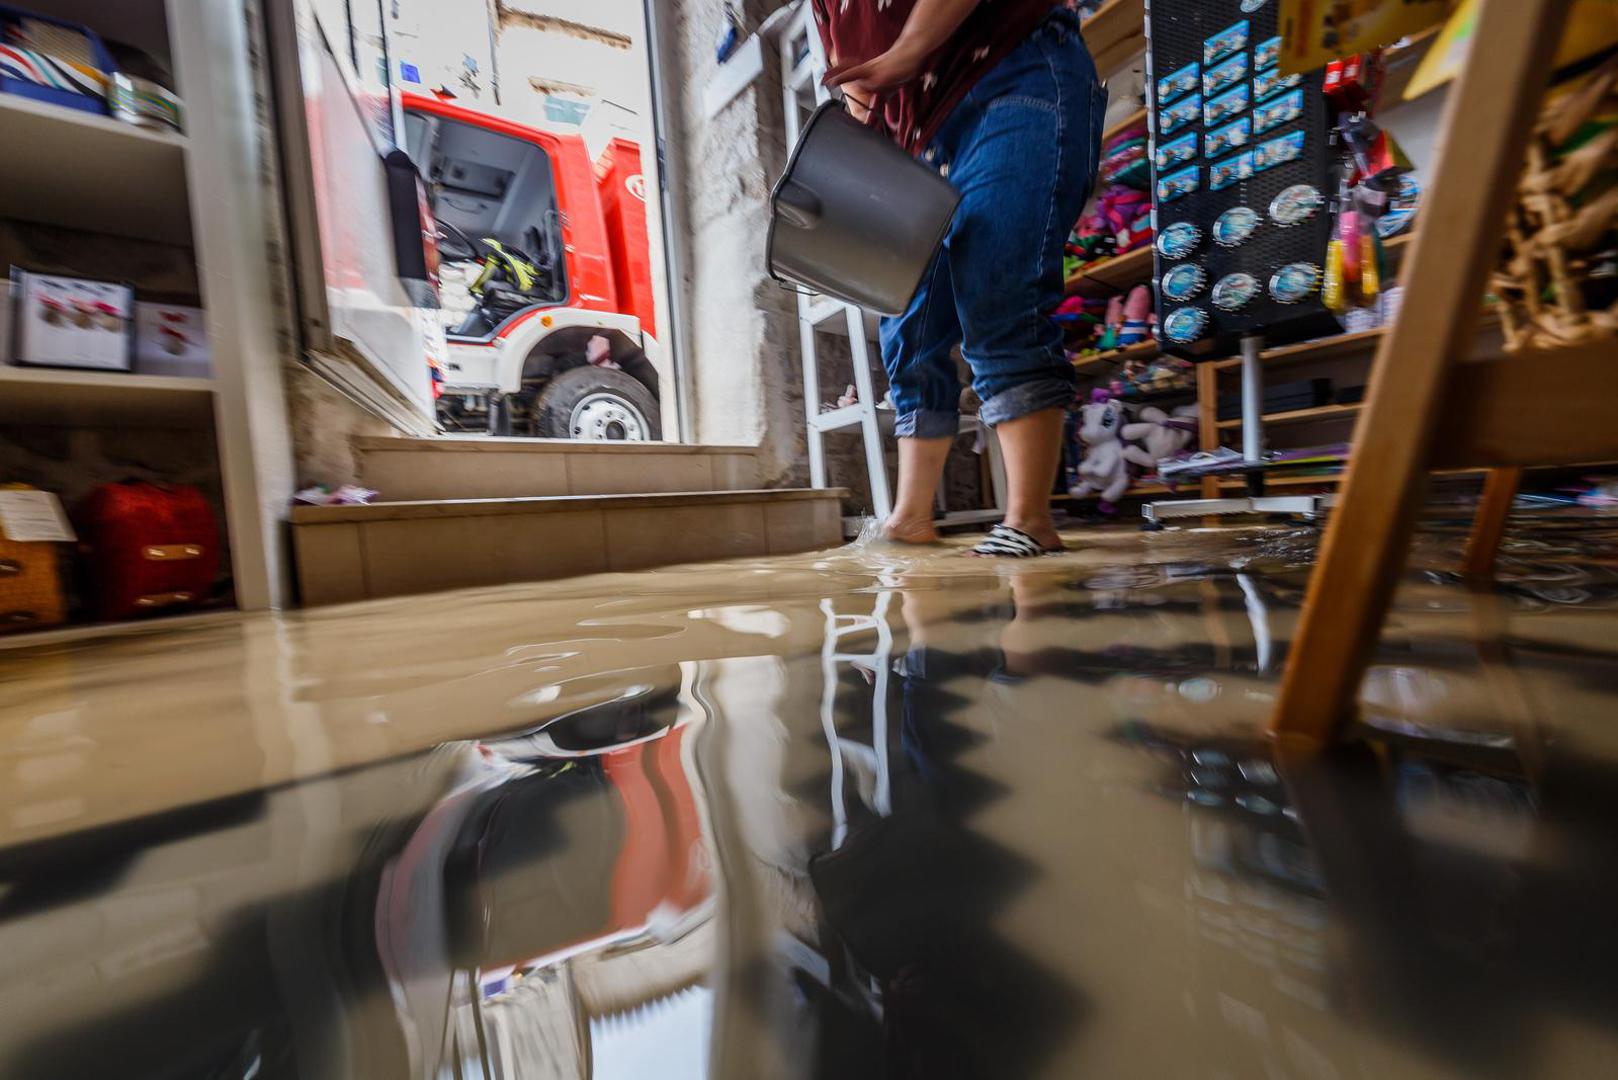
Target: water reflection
x=861, y=815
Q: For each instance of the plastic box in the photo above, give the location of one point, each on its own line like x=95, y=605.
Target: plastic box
x=59, y=62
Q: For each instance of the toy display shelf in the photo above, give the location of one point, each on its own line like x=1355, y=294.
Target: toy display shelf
x=1115, y=34
x=1299, y=416
x=1113, y=275
x=1146, y=350
x=85, y=171
x=1136, y=117
x=53, y=396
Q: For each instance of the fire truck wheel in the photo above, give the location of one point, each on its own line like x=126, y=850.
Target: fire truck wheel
x=597, y=404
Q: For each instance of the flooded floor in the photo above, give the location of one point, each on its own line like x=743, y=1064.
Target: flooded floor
x=866, y=814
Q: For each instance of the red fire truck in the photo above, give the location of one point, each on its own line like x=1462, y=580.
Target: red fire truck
x=546, y=264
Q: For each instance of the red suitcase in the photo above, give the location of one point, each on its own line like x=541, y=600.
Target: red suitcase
x=147, y=547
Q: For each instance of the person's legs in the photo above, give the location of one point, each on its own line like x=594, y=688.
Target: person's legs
x=1024, y=173
x=917, y=352
x=1032, y=445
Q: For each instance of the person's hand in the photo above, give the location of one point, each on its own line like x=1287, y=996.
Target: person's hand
x=891, y=69
x=859, y=106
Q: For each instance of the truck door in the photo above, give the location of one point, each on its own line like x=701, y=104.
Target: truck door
x=339, y=118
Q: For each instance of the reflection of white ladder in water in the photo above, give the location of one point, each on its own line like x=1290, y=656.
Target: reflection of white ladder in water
x=803, y=63
x=873, y=759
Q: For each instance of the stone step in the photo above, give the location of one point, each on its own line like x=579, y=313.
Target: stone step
x=347, y=553
x=410, y=470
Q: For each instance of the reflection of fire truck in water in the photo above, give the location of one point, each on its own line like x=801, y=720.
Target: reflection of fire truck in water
x=548, y=291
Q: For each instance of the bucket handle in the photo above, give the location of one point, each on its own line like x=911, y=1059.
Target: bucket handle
x=798, y=205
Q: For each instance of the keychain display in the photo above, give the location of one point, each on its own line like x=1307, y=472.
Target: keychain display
x=1235, y=291
x=1296, y=205
x=1230, y=137
x=1225, y=106
x=1267, y=84
x=1233, y=170
x=1177, y=152
x=1231, y=39
x=1179, y=184
x=1294, y=282
x=1282, y=110
x=1225, y=73
x=1179, y=240
x=1185, y=325
x=1402, y=207
x=1178, y=115
x=1175, y=86
x=1236, y=226
x=1183, y=282
x=1288, y=147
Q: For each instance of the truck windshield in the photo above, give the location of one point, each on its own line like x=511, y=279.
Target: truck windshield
x=494, y=197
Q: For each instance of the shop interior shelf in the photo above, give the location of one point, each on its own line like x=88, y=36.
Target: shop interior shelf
x=1116, y=33
x=84, y=171
x=1114, y=274
x=1301, y=416
x=51, y=396
x=1319, y=349
x=1136, y=117
x=1102, y=361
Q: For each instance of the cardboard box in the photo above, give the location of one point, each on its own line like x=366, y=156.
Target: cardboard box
x=171, y=339
x=72, y=322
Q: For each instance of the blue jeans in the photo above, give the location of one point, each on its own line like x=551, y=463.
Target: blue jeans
x=1022, y=148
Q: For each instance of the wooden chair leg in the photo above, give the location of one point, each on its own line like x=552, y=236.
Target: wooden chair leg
x=1487, y=121
x=1489, y=527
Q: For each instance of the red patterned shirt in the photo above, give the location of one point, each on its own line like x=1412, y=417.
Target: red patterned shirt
x=855, y=31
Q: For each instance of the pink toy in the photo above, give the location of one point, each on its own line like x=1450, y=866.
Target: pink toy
x=1137, y=316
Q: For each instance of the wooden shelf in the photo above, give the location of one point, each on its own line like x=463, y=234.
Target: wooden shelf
x=1145, y=350
x=1300, y=416
x=1136, y=117
x=84, y=171
x=1319, y=349
x=1115, y=274
x=1135, y=492
x=49, y=396
x=1115, y=33
x=1281, y=481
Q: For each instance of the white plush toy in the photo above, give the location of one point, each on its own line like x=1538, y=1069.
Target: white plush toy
x=1159, y=434
x=1104, y=468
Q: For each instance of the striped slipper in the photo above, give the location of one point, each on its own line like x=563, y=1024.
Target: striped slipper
x=1004, y=542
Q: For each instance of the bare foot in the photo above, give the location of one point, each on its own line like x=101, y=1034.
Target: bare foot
x=910, y=532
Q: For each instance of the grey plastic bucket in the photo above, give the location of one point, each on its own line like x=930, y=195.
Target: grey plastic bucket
x=855, y=217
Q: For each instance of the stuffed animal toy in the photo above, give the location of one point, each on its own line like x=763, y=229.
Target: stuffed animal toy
x=1159, y=435
x=1103, y=469
x=1137, y=317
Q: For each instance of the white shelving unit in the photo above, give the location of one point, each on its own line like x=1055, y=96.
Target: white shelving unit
x=89, y=172
x=65, y=167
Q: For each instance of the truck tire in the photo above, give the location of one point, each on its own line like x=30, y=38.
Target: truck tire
x=597, y=404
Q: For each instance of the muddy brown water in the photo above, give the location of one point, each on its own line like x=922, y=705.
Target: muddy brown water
x=860, y=814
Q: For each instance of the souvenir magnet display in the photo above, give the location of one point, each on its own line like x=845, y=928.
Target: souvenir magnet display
x=1296, y=205
x=1177, y=151
x=1232, y=39
x=1230, y=137
x=1179, y=240
x=1225, y=106
x=1180, y=184
x=1183, y=282
x=1294, y=282
x=1235, y=226
x=1235, y=291
x=1181, y=83
x=1233, y=170
x=1185, y=325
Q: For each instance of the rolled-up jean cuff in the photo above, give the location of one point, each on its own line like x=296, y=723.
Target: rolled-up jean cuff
x=927, y=424
x=1029, y=397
